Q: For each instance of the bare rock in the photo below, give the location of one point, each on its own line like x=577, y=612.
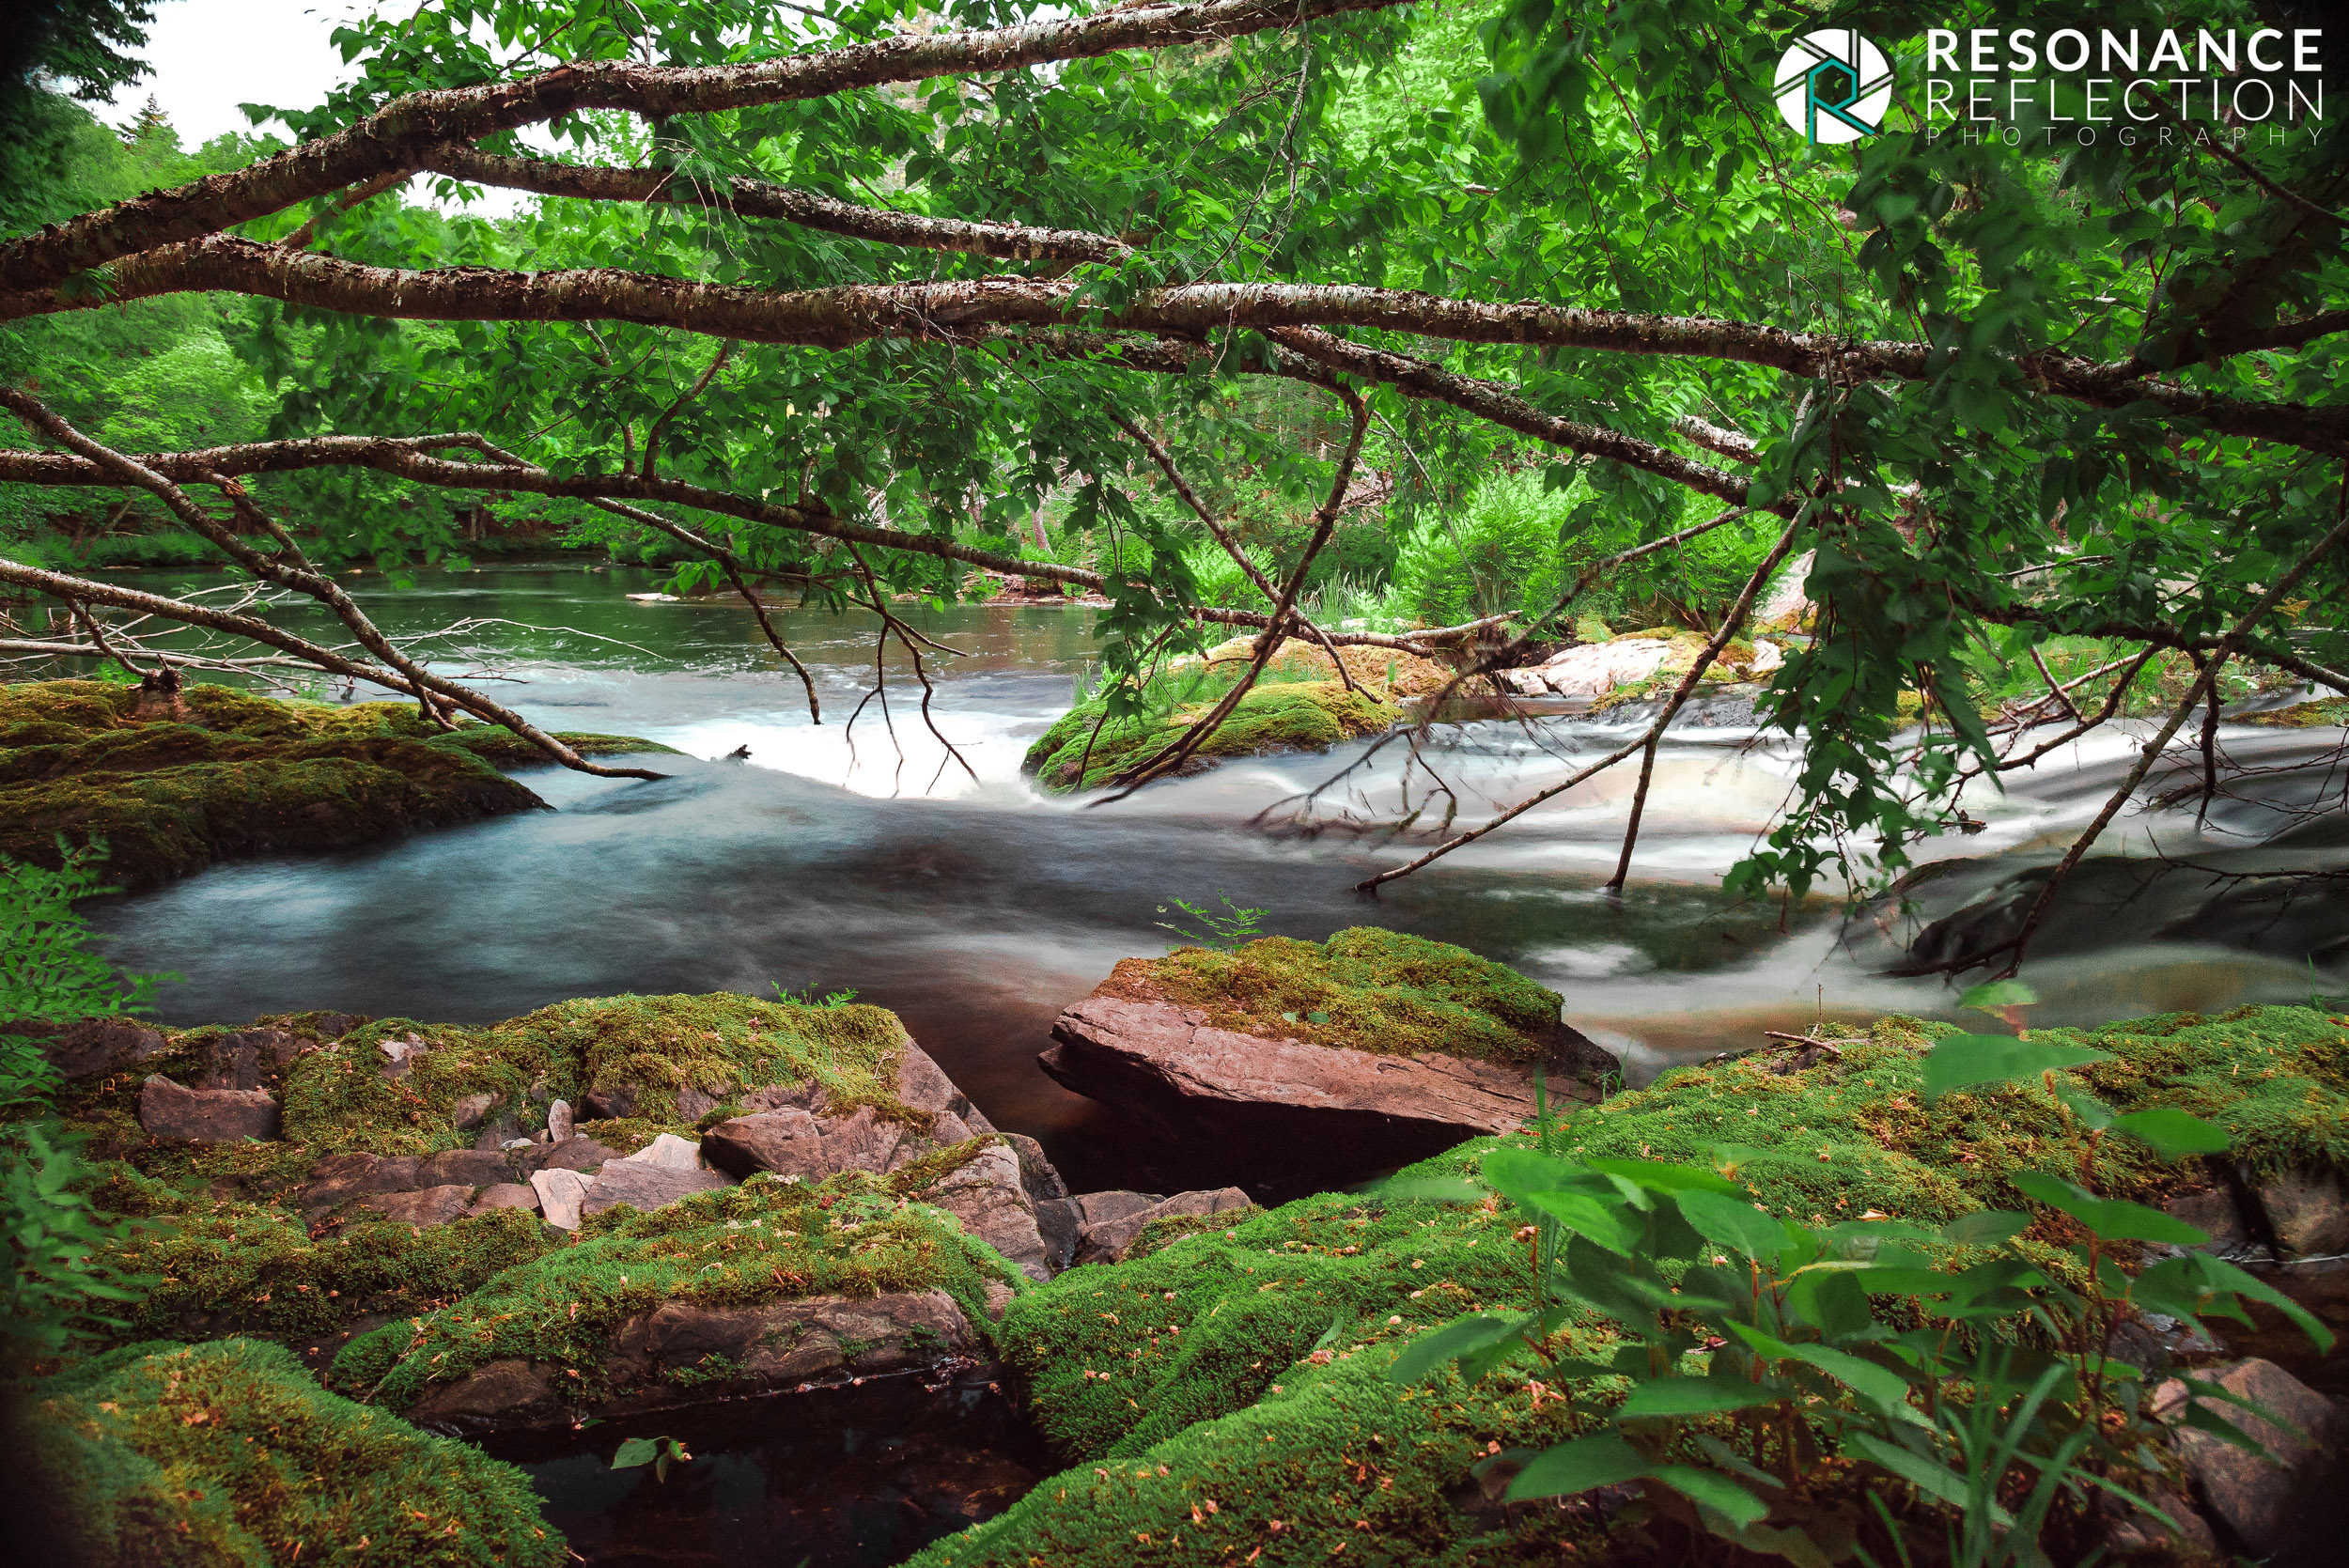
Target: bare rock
x=2215, y=1212
x=428, y=1205
x=471, y=1110
x=670, y=1153
x=578, y=1152
x=614, y=1102
x=559, y=1123
x=2257, y=1496
x=986, y=1195
x=817, y=1341
x=1107, y=1239
x=400, y=1055
x=560, y=1193
x=1597, y=669
x=250, y=1058
x=644, y=1188
x=1037, y=1174
x=1166, y=1063
x=503, y=1393
x=2309, y=1208
x=96, y=1045
x=795, y=1143
x=168, y=1109
x=692, y=1105
x=506, y=1195
x=1058, y=1223
x=1106, y=1208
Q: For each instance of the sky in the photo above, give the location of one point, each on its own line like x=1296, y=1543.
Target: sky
x=210, y=55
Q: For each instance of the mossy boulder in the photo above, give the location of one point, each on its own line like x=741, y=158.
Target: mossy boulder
x=219, y=772
x=750, y=1288
x=1323, y=1060
x=1081, y=752
x=666, y=1062
x=228, y=1453
x=1226, y=1394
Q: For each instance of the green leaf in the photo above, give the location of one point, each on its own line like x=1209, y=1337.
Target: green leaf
x=1933, y=1479
x=635, y=1451
x=1603, y=1460
x=1449, y=1343
x=1992, y=995
x=1965, y=1060
x=2109, y=1218
x=1657, y=1176
x=2226, y=1276
x=1714, y=1491
x=2171, y=1133
x=1985, y=1228
x=1733, y=1224
x=1610, y=1225
x=1880, y=1386
x=1692, y=1396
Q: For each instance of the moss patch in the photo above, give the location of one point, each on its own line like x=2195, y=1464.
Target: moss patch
x=223, y=1265
x=339, y=1098
x=1367, y=987
x=1387, y=672
x=228, y=1453
x=243, y=775
x=2304, y=716
x=763, y=1241
x=1224, y=1396
x=1854, y=1133
x=1306, y=715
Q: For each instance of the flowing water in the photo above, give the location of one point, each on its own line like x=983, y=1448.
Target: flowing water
x=837, y=858
x=866, y=858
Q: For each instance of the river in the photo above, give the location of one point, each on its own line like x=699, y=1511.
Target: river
x=975, y=908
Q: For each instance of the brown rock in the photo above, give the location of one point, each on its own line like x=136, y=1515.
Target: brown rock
x=426, y=1205
x=2256, y=1496
x=613, y=1102
x=472, y=1167
x=1037, y=1174
x=776, y=1345
x=2309, y=1209
x=506, y=1195
x=578, y=1152
x=644, y=1188
x=1167, y=1065
x=1106, y=1240
x=93, y=1046
x=985, y=1194
x=471, y=1110
x=168, y=1109
x=504, y=1394
x=795, y=1143
x=249, y=1059
x=559, y=1193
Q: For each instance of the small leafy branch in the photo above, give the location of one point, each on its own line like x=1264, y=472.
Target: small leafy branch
x=1224, y=932
x=808, y=997
x=660, y=1452
x=1759, y=1366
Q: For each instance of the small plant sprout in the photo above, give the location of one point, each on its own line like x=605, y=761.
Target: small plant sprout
x=1224, y=932
x=2003, y=1000
x=660, y=1452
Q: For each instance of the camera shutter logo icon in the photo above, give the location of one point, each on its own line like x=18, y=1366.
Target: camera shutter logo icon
x=1833, y=87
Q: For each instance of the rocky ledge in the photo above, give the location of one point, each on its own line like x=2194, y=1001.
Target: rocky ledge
x=1370, y=1050
x=174, y=779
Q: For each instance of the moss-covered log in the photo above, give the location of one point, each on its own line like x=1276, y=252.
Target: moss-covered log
x=1291, y=716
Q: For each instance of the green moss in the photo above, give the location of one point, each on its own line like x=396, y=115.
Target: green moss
x=1165, y=1231
x=338, y=1099
x=1854, y=1133
x=503, y=747
x=763, y=1241
x=246, y=774
x=1370, y=988
x=229, y=1265
x=2314, y=715
x=228, y=1453
x=1184, y=1383
x=1308, y=715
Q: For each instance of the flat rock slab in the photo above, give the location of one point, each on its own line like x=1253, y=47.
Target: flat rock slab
x=428, y=1206
x=644, y=1187
x=168, y=1109
x=559, y=1191
x=1281, y=1099
x=779, y=1345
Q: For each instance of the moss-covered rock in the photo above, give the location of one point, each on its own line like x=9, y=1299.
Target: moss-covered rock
x=660, y=1301
x=1305, y=715
x=1225, y=1395
x=1366, y=988
x=668, y=1061
x=229, y=1454
x=233, y=773
x=2320, y=714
